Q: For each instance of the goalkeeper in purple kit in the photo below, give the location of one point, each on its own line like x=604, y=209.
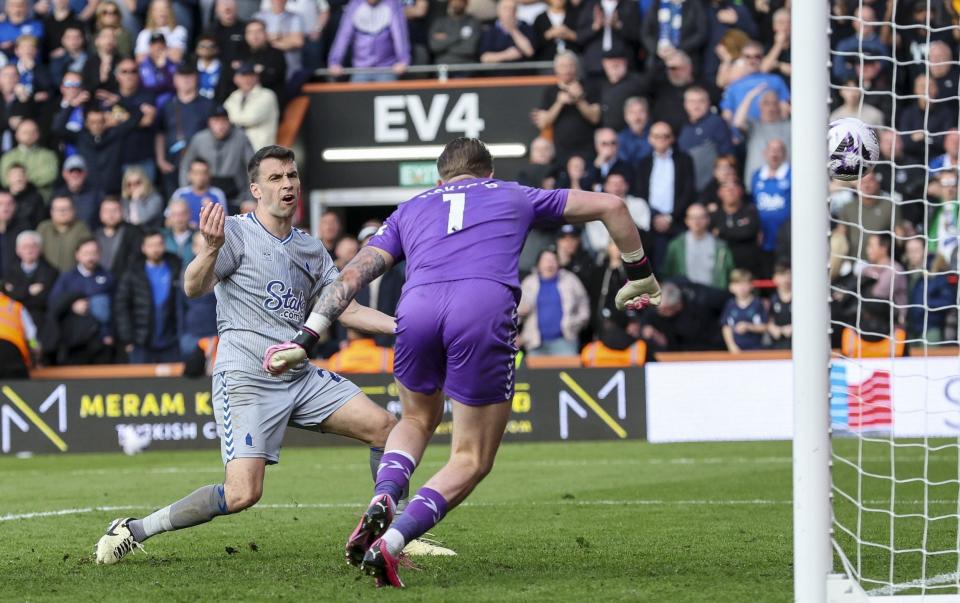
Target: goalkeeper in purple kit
x=456, y=330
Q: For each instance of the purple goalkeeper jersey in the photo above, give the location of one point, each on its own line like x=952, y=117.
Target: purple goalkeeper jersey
x=468, y=229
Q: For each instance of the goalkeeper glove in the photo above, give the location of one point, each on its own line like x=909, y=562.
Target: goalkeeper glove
x=282, y=356
x=641, y=288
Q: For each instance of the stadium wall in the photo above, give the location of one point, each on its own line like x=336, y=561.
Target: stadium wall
x=87, y=415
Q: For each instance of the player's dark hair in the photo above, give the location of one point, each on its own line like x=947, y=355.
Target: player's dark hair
x=464, y=156
x=268, y=152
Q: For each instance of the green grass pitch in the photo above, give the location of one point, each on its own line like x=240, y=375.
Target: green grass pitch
x=624, y=521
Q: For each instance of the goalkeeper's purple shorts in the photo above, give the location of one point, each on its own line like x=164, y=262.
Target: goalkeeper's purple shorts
x=458, y=336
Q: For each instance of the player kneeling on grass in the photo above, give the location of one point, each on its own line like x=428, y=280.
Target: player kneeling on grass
x=265, y=274
x=456, y=327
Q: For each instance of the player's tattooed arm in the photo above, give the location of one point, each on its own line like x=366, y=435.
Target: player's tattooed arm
x=368, y=320
x=367, y=265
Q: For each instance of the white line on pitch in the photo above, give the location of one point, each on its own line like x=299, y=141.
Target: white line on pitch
x=893, y=589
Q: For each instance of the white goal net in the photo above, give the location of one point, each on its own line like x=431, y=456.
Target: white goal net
x=895, y=383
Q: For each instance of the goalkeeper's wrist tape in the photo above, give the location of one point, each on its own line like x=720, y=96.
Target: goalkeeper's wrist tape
x=637, y=270
x=306, y=338
x=318, y=323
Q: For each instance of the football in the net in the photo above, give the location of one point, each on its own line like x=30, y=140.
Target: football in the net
x=854, y=149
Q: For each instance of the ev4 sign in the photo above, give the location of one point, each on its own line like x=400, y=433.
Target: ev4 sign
x=393, y=115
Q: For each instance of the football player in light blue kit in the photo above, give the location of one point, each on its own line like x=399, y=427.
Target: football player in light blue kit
x=266, y=275
x=456, y=328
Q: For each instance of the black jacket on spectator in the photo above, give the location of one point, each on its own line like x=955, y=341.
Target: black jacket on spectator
x=572, y=133
x=133, y=309
x=31, y=209
x=229, y=40
x=739, y=230
x=666, y=103
x=547, y=49
x=103, y=154
x=626, y=40
x=8, y=244
x=127, y=251
x=17, y=284
x=91, y=75
x=274, y=73
x=684, y=189
x=694, y=31
x=614, y=96
x=696, y=327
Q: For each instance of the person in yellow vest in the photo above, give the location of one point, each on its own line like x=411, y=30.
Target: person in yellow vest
x=18, y=339
x=362, y=355
x=614, y=349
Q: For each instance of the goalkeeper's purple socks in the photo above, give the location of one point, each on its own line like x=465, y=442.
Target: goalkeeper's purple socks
x=393, y=475
x=424, y=511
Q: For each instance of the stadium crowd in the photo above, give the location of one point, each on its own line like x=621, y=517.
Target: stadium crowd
x=120, y=118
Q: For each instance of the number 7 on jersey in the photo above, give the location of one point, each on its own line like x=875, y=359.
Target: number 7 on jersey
x=455, y=218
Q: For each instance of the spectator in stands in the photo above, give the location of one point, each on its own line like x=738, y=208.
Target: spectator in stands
x=602, y=291
x=33, y=74
x=871, y=212
x=556, y=29
x=72, y=53
x=744, y=318
x=161, y=20
x=56, y=16
x=100, y=143
x=866, y=41
x=199, y=192
x=415, y=12
x=882, y=277
x=98, y=70
x=80, y=319
x=178, y=235
x=73, y=95
x=315, y=16
x=724, y=16
x=361, y=354
x=137, y=148
x=227, y=150
x=540, y=168
x=10, y=228
x=375, y=31
x=345, y=250
x=18, y=339
x=697, y=254
x=930, y=295
x=507, y=40
x=724, y=170
x=118, y=241
x=945, y=73
x=851, y=106
x=86, y=199
x=554, y=308
x=142, y=206
x=744, y=75
x=682, y=322
x=666, y=180
x=571, y=255
x=267, y=61
x=118, y=17
x=918, y=120
x=608, y=26
x=455, y=37
x=31, y=209
x=606, y=159
x=145, y=307
x=30, y=278
x=771, y=194
x=196, y=317
x=759, y=132
x=41, y=163
x=253, y=108
x=780, y=325
x=950, y=159
x=777, y=59
x=616, y=86
x=331, y=229
x=667, y=90
x=705, y=135
x=286, y=32
x=211, y=82
x=62, y=233
x=180, y=119
x=228, y=31
x=157, y=69
x=570, y=109
x=672, y=25
x=17, y=22
x=633, y=140
x=738, y=225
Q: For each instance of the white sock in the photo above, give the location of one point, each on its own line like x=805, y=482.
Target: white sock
x=395, y=541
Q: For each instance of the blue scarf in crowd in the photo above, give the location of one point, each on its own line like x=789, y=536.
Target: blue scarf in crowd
x=670, y=18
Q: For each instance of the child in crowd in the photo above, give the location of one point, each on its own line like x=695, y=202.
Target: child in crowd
x=744, y=318
x=779, y=327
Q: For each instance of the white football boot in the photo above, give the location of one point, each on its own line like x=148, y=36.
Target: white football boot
x=116, y=543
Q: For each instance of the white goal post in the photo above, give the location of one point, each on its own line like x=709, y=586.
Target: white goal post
x=876, y=508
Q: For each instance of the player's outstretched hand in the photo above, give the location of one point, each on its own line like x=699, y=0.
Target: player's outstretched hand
x=212, y=219
x=638, y=294
x=282, y=356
